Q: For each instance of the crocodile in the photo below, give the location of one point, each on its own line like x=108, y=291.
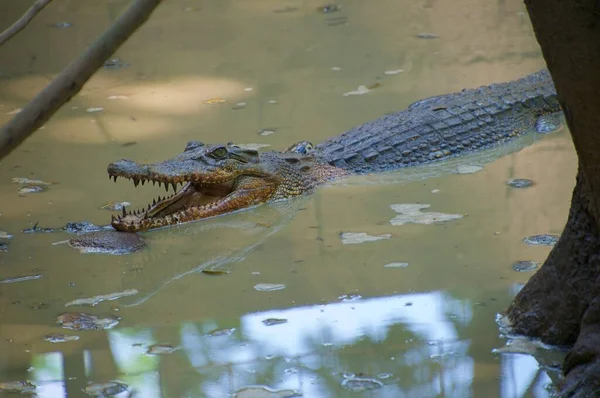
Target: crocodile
x=224, y=178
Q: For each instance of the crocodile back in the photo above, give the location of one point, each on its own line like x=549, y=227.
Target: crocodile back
x=443, y=126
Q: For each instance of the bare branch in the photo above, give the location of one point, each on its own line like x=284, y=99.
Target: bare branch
x=23, y=21
x=73, y=77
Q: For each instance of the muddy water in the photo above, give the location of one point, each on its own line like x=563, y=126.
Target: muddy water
x=424, y=329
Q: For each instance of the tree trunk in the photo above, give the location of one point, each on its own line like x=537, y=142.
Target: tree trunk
x=561, y=302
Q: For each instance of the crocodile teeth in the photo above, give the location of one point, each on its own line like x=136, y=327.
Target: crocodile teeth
x=159, y=184
x=153, y=182
x=166, y=186
x=115, y=178
x=124, y=212
x=143, y=181
x=174, y=185
x=136, y=182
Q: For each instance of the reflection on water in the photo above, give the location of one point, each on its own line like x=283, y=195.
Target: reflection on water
x=414, y=343
x=226, y=71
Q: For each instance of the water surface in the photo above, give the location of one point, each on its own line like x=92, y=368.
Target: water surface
x=426, y=329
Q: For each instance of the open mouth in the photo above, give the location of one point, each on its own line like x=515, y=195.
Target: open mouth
x=195, y=200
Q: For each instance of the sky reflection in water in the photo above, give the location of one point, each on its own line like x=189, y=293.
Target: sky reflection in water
x=313, y=352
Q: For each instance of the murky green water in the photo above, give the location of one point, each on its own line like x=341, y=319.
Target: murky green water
x=418, y=330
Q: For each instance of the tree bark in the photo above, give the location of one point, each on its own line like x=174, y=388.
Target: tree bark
x=561, y=302
x=73, y=77
x=23, y=21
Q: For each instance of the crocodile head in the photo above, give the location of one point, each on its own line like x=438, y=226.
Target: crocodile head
x=216, y=179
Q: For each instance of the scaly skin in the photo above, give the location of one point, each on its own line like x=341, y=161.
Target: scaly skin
x=219, y=179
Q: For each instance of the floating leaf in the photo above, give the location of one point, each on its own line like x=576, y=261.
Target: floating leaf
x=214, y=101
x=108, y=389
x=161, y=349
x=81, y=321
x=274, y=321
x=215, y=271
x=359, y=91
x=393, y=71
x=520, y=183
x=27, y=181
x=410, y=213
x=466, y=169
x=269, y=287
x=541, y=240
x=60, y=338
x=351, y=238
x=93, y=301
x=396, y=265
x=94, y=109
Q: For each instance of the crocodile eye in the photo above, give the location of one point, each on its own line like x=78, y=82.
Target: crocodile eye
x=219, y=152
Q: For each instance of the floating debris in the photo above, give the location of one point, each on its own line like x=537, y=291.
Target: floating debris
x=108, y=242
x=107, y=389
x=427, y=36
x=161, y=349
x=18, y=387
x=59, y=338
x=272, y=102
x=274, y=321
x=350, y=297
x=27, y=181
x=20, y=279
x=61, y=25
x=329, y=8
x=94, y=109
x=267, y=131
x=435, y=190
x=114, y=206
x=260, y=391
x=336, y=68
x=221, y=332
x=253, y=146
x=269, y=287
x=520, y=183
x=214, y=272
x=525, y=266
x=359, y=91
x=81, y=321
x=352, y=238
x=5, y=235
x=466, y=169
x=541, y=240
x=239, y=105
x=83, y=226
x=117, y=97
x=359, y=384
x=410, y=213
x=38, y=306
x=93, y=301
x=114, y=63
x=396, y=265
x=393, y=71
x=30, y=189
x=36, y=228
x=3, y=246
x=213, y=101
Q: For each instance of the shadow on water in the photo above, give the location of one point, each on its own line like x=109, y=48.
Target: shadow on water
x=344, y=323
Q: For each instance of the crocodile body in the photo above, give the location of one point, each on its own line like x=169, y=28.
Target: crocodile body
x=443, y=126
x=219, y=179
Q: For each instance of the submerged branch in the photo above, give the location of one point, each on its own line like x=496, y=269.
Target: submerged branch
x=70, y=81
x=23, y=21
